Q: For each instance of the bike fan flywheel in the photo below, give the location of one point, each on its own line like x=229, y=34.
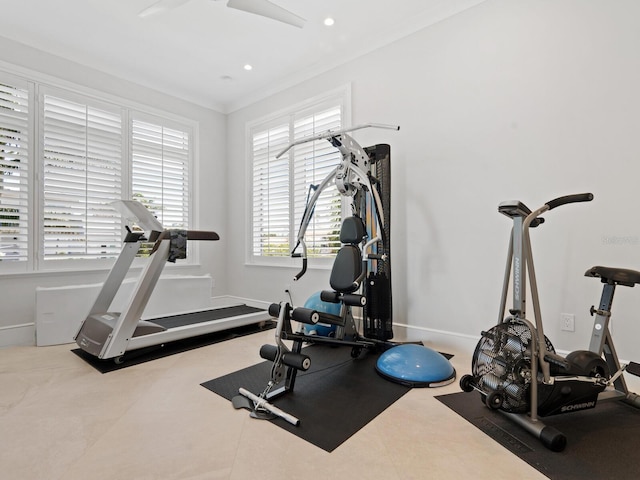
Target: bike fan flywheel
x=501, y=365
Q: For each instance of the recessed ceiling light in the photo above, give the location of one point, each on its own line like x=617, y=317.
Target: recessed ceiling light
x=329, y=21
x=248, y=67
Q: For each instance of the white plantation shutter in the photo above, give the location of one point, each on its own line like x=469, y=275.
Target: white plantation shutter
x=14, y=172
x=82, y=175
x=313, y=161
x=281, y=186
x=65, y=157
x=271, y=226
x=160, y=172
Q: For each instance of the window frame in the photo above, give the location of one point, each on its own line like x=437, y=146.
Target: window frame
x=191, y=164
x=17, y=81
x=39, y=84
x=340, y=96
x=41, y=262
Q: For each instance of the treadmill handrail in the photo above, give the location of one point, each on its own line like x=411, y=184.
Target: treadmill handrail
x=191, y=235
x=134, y=210
x=158, y=237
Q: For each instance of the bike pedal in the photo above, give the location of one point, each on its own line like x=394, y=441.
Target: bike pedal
x=633, y=368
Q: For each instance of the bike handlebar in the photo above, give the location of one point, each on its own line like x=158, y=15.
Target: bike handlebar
x=578, y=197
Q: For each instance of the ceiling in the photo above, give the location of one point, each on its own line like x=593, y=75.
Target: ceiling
x=197, y=51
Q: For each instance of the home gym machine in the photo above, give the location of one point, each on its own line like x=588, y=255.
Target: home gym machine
x=516, y=368
x=109, y=335
x=363, y=175
x=360, y=277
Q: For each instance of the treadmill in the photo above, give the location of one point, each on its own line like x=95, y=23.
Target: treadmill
x=109, y=335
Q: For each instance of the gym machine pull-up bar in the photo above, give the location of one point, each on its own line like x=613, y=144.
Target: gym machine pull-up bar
x=351, y=175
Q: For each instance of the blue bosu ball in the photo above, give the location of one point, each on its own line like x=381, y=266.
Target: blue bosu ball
x=415, y=366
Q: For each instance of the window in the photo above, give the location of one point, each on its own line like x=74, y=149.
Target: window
x=160, y=172
x=271, y=193
x=57, y=181
x=15, y=170
x=82, y=175
x=312, y=162
x=281, y=186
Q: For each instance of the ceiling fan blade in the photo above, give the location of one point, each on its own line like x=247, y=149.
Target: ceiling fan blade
x=267, y=9
x=161, y=6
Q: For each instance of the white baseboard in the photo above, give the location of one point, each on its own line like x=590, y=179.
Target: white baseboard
x=58, y=321
x=230, y=300
x=61, y=310
x=438, y=339
x=18, y=335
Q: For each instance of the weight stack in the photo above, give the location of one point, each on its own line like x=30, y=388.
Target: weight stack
x=378, y=313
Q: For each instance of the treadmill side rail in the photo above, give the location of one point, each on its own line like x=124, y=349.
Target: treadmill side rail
x=125, y=327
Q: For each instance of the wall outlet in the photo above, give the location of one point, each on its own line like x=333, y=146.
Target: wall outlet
x=568, y=322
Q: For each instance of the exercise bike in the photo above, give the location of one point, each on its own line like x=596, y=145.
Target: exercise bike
x=516, y=368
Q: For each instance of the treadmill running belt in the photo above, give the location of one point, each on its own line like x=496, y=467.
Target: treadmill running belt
x=204, y=316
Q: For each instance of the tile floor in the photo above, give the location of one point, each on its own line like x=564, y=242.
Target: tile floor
x=61, y=419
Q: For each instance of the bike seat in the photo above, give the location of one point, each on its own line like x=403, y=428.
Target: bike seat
x=620, y=276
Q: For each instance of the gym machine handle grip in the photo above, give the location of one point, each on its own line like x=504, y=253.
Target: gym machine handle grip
x=263, y=404
x=578, y=197
x=133, y=237
x=301, y=272
x=536, y=222
x=191, y=235
x=202, y=235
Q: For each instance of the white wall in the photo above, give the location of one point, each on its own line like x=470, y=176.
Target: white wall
x=509, y=100
x=18, y=291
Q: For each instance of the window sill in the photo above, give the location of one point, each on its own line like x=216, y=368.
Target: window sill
x=89, y=270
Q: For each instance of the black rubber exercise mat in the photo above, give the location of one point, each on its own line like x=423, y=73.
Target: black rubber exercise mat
x=143, y=355
x=334, y=399
x=601, y=442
